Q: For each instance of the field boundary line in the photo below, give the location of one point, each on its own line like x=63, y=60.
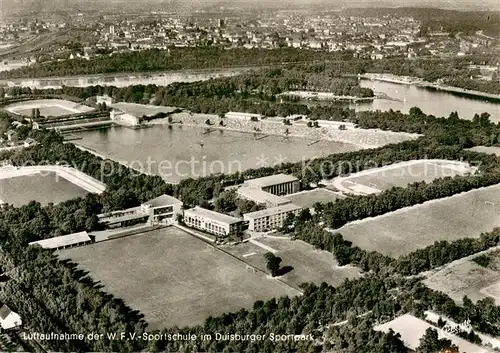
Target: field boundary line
x=431, y=273
x=240, y=260
x=408, y=208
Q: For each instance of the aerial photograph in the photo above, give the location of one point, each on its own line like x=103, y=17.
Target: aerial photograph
x=250, y=176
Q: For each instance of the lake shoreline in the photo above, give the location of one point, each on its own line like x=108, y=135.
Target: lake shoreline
x=327, y=131
x=415, y=81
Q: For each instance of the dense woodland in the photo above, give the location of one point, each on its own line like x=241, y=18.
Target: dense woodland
x=453, y=71
x=57, y=297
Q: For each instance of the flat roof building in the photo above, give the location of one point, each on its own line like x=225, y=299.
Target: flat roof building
x=212, y=222
x=277, y=184
x=162, y=209
x=261, y=197
x=271, y=218
x=123, y=118
x=64, y=241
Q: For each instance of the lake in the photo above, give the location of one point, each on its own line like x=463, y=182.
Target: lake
x=438, y=103
x=185, y=152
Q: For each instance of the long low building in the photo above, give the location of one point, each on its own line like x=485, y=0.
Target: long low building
x=64, y=241
x=271, y=218
x=160, y=210
x=244, y=116
x=277, y=184
x=212, y=222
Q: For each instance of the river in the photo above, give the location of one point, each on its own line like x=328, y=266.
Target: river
x=438, y=103
x=123, y=79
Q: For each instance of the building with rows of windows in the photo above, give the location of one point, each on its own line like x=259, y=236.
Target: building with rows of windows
x=271, y=218
x=212, y=222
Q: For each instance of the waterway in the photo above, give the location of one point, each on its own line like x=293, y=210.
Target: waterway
x=186, y=151
x=123, y=79
x=438, y=103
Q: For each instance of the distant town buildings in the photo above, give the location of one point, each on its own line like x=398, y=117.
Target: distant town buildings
x=367, y=37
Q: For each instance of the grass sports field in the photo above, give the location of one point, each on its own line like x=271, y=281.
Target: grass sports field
x=174, y=278
x=400, y=174
x=141, y=109
x=306, y=199
x=466, y=215
x=466, y=277
x=48, y=107
x=44, y=188
x=309, y=265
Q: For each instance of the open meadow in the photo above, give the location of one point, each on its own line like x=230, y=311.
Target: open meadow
x=400, y=175
x=467, y=277
x=301, y=262
x=48, y=107
x=401, y=232
x=306, y=199
x=174, y=278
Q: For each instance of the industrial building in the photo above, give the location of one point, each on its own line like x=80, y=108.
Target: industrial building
x=123, y=118
x=277, y=184
x=64, y=242
x=271, y=218
x=261, y=197
x=212, y=222
x=161, y=210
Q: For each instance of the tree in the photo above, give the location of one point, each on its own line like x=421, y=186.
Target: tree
x=430, y=342
x=2, y=92
x=309, y=124
x=272, y=263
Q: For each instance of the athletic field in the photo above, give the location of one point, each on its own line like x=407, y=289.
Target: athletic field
x=465, y=215
x=48, y=107
x=174, y=278
x=306, y=199
x=375, y=180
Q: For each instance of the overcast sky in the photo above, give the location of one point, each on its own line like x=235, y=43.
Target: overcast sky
x=188, y=5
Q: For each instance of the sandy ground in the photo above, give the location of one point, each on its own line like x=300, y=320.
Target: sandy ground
x=401, y=174
x=412, y=329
